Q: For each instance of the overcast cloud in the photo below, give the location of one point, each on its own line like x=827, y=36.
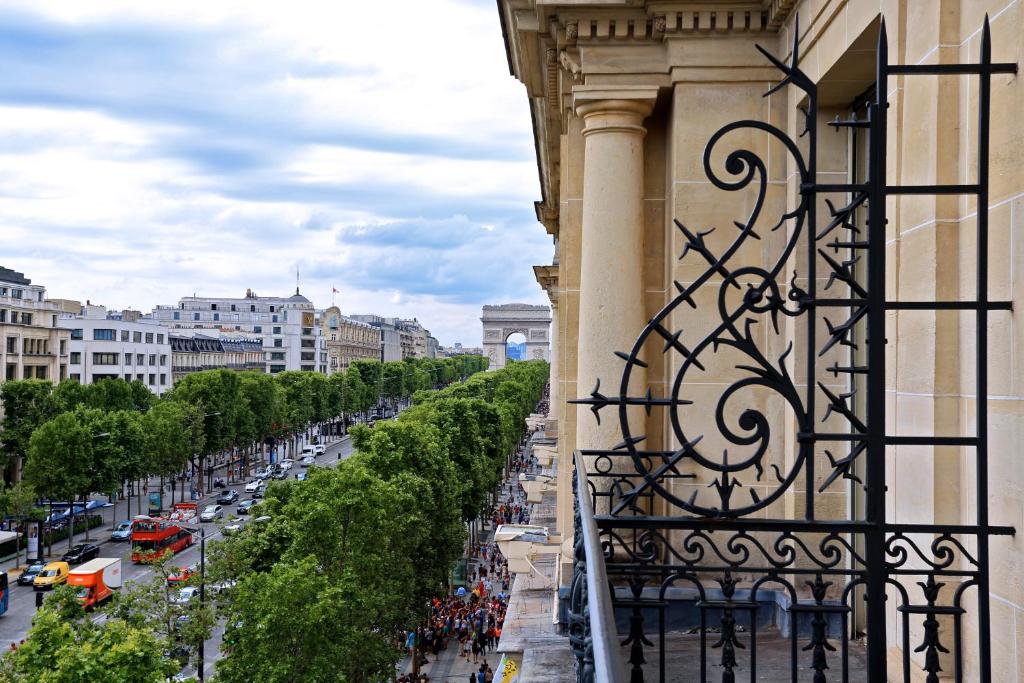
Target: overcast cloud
x=153, y=150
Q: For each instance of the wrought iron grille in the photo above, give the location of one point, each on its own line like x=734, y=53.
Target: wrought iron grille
x=727, y=544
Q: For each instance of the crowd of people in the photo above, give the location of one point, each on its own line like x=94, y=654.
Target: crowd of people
x=471, y=620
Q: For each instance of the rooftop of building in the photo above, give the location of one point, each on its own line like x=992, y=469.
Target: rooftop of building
x=13, y=277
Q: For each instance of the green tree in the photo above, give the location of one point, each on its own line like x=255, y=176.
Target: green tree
x=65, y=648
x=155, y=605
x=19, y=502
x=27, y=404
x=60, y=453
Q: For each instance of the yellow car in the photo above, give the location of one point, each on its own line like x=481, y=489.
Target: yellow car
x=53, y=574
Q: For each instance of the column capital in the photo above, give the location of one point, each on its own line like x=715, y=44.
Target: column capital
x=611, y=108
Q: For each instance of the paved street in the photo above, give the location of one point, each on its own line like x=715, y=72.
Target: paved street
x=16, y=622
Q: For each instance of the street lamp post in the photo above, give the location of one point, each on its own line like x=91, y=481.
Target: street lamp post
x=202, y=599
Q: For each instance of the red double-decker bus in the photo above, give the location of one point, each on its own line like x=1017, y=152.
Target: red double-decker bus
x=156, y=536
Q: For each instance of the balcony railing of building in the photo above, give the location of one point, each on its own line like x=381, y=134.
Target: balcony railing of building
x=752, y=575
x=592, y=632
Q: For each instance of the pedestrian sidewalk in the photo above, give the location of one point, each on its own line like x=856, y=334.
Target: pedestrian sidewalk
x=448, y=665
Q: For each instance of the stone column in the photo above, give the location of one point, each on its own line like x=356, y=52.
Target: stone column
x=611, y=261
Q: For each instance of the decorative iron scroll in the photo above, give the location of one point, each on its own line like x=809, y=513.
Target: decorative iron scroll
x=727, y=545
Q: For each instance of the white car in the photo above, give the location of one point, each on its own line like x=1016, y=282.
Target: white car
x=232, y=529
x=307, y=461
x=211, y=512
x=253, y=485
x=286, y=464
x=319, y=449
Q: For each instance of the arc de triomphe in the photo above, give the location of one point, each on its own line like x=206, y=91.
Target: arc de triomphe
x=501, y=321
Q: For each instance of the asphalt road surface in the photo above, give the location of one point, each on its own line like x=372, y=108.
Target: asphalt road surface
x=14, y=625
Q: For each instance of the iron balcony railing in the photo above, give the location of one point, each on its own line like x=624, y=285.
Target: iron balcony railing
x=592, y=632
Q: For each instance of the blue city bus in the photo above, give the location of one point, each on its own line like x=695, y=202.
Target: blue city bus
x=4, y=592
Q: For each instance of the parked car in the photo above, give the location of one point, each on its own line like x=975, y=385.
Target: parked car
x=307, y=461
x=259, y=493
x=82, y=552
x=319, y=449
x=253, y=485
x=181, y=575
x=211, y=513
x=228, y=497
x=53, y=574
x=244, y=507
x=301, y=476
x=264, y=473
x=287, y=464
x=122, y=532
x=232, y=529
x=31, y=572
x=280, y=474
x=308, y=450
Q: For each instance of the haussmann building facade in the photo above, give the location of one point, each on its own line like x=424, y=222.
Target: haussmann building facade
x=789, y=283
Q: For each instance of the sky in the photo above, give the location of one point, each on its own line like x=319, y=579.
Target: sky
x=149, y=151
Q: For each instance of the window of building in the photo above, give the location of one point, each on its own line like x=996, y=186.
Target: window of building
x=76, y=357
x=308, y=368
x=137, y=337
x=278, y=343
x=12, y=345
x=213, y=307
x=125, y=335
x=152, y=379
x=163, y=359
x=258, y=329
x=76, y=334
x=103, y=335
x=276, y=368
x=15, y=293
x=139, y=377
x=308, y=331
x=277, y=330
x=286, y=316
x=26, y=318
x=104, y=359
x=12, y=371
x=273, y=318
x=75, y=377
x=63, y=346
x=149, y=337
x=163, y=379
x=232, y=307
x=127, y=377
x=195, y=316
x=177, y=316
x=127, y=359
x=271, y=309
x=159, y=339
x=252, y=308
x=53, y=320
x=308, y=355
x=216, y=316
x=63, y=372
x=40, y=372
x=152, y=360
x=277, y=356
x=3, y=291
x=3, y=315
x=140, y=359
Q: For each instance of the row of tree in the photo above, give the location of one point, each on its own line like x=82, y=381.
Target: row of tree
x=350, y=555
x=79, y=439
x=335, y=573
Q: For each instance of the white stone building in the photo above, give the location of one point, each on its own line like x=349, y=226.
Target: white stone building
x=33, y=347
x=107, y=348
x=287, y=326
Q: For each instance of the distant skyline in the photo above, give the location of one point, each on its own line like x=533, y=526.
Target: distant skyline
x=153, y=151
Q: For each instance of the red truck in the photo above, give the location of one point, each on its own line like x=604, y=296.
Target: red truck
x=96, y=580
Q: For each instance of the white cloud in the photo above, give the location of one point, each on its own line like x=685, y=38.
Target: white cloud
x=152, y=150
